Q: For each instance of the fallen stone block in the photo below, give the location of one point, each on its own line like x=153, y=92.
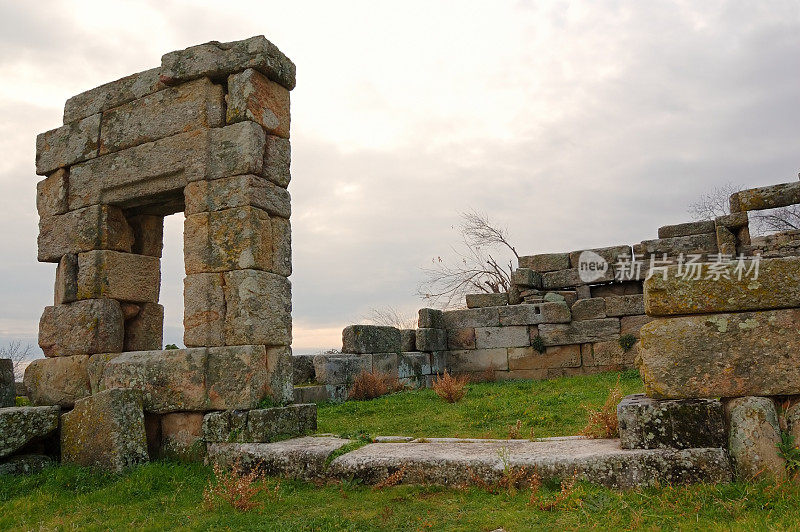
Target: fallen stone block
x=21, y=425
x=51, y=194
x=26, y=464
x=251, y=96
x=580, y=332
x=461, y=338
x=341, y=369
x=646, y=423
x=260, y=425
x=589, y=309
x=471, y=318
x=145, y=331
x=112, y=94
x=528, y=358
x=753, y=438
x=370, y=339
x=120, y=276
x=618, y=306
x=182, y=436
x=722, y=355
x=408, y=340
x=430, y=318
x=237, y=191
x=198, y=104
x=95, y=227
x=217, y=60
x=777, y=286
x=477, y=360
x=545, y=262
x=84, y=327
x=7, y=385
x=487, y=300
x=431, y=340
x=511, y=336
x=769, y=197
x=526, y=277
x=258, y=308
x=105, y=430
x=67, y=145
x=687, y=229
x=57, y=381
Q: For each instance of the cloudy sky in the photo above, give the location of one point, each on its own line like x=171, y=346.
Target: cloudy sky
x=573, y=124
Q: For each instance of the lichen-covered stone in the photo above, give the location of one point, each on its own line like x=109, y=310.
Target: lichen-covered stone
x=528, y=358
x=408, y=340
x=461, y=338
x=580, y=332
x=105, y=430
x=769, y=197
x=22, y=425
x=777, y=286
x=754, y=437
x=610, y=254
x=589, y=309
x=65, y=289
x=145, y=331
x=722, y=355
x=430, y=318
x=25, y=464
x=51, y=194
x=477, y=360
x=57, y=381
x=258, y=308
x=260, y=425
x=203, y=310
x=471, y=318
x=487, y=300
x=490, y=337
x=687, y=229
x=148, y=232
x=182, y=436
x=120, y=276
x=112, y=94
x=545, y=262
x=370, y=339
x=628, y=305
x=429, y=340
x=279, y=374
x=534, y=314
x=95, y=227
x=7, y=386
x=67, y=145
x=237, y=191
x=646, y=423
x=704, y=244
x=251, y=96
x=341, y=369
x=277, y=161
x=82, y=328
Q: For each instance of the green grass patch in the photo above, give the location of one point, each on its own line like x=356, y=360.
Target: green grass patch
x=556, y=407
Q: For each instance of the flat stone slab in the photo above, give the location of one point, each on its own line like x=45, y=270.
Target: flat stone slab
x=21, y=425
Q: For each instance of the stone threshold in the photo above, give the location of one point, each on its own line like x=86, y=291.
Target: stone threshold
x=457, y=462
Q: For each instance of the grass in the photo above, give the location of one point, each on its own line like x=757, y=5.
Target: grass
x=551, y=408
x=164, y=495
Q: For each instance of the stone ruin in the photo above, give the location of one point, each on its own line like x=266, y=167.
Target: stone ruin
x=207, y=134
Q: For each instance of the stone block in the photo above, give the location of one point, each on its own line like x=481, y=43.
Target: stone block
x=204, y=310
x=237, y=191
x=753, y=438
x=528, y=358
x=112, y=94
x=21, y=425
x=511, y=336
x=84, y=327
x=260, y=426
x=471, y=318
x=96, y=367
x=646, y=423
x=233, y=239
x=218, y=60
x=236, y=149
x=777, y=286
x=561, y=279
x=769, y=197
x=726, y=241
x=303, y=369
x=25, y=464
x=687, y=229
x=413, y=366
x=610, y=254
x=430, y=318
x=561, y=296
x=461, y=338
x=605, y=354
x=527, y=278
x=534, y=314
x=487, y=300
x=580, y=332
x=182, y=436
x=145, y=331
x=545, y=262
x=371, y=339
x=67, y=145
x=385, y=363
x=733, y=221
x=408, y=340
x=624, y=288
x=633, y=324
x=57, y=381
x=198, y=104
x=439, y=362
x=7, y=385
x=277, y=161
x=148, y=232
x=589, y=309
x=120, y=276
x=722, y=355
x=477, y=360
x=281, y=246
x=51, y=194
x=105, y=430
x=251, y=96
x=793, y=421
x=431, y=340
x=320, y=394
x=96, y=227
x=258, y=308
x=704, y=244
x=279, y=374
x=341, y=369
x=618, y=306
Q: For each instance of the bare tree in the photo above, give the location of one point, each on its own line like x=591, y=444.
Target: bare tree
x=715, y=203
x=484, y=262
x=18, y=353
x=392, y=317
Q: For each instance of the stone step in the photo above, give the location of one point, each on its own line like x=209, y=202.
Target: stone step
x=457, y=462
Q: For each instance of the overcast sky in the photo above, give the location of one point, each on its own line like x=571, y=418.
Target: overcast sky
x=574, y=124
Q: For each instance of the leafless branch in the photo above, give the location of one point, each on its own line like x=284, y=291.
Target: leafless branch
x=18, y=353
x=713, y=204
x=392, y=317
x=716, y=203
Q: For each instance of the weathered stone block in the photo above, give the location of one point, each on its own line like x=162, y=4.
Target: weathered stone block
x=370, y=339
x=341, y=369
x=413, y=367
x=145, y=331
x=65, y=289
x=528, y=358
x=580, y=332
x=260, y=426
x=279, y=374
x=610, y=254
x=430, y=318
x=281, y=246
x=687, y=229
x=203, y=310
x=233, y=239
x=726, y=241
x=477, y=360
x=105, y=430
x=182, y=436
x=112, y=94
x=633, y=324
x=694, y=244
x=732, y=221
x=777, y=286
x=561, y=279
x=57, y=381
x=216, y=60
x=51, y=194
x=408, y=340
x=303, y=369
x=120, y=276
x=624, y=288
x=753, y=438
x=83, y=327
x=589, y=309
x=96, y=367
x=251, y=96
x=461, y=338
x=487, y=300
x=148, y=232
x=491, y=337
x=770, y=197
x=793, y=422
x=385, y=363
x=617, y=306
x=545, y=262
x=722, y=355
x=67, y=145
x=195, y=105
x=534, y=314
x=431, y=340
x=605, y=354
x=20, y=426
x=96, y=227
x=646, y=423
x=471, y=318
x=258, y=308
x=237, y=191
x=237, y=149
x=527, y=278
x=277, y=161
x=7, y=386
x=25, y=464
